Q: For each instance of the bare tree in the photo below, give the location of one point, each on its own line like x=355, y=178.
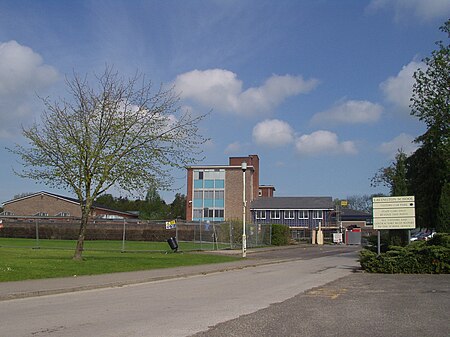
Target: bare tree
x=117, y=133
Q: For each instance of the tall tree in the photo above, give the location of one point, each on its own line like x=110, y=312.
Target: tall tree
x=178, y=207
x=362, y=202
x=430, y=102
x=119, y=132
x=394, y=176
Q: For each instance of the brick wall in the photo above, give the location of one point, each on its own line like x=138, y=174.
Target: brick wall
x=42, y=203
x=233, y=193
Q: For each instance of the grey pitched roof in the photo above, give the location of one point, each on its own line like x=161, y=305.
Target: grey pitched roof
x=292, y=203
x=347, y=213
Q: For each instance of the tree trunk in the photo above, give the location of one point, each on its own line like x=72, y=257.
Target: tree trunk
x=80, y=242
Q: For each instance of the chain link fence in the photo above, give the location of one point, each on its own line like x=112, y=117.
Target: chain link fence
x=191, y=236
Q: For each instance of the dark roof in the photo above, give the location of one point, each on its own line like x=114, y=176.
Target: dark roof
x=292, y=203
x=353, y=214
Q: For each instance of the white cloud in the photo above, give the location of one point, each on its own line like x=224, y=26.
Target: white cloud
x=398, y=89
x=424, y=10
x=323, y=142
x=234, y=148
x=273, y=133
x=22, y=75
x=21, y=69
x=350, y=112
x=221, y=89
x=403, y=141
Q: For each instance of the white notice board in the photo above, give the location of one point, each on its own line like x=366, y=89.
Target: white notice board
x=394, y=212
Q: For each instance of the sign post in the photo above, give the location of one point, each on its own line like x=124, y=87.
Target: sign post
x=393, y=213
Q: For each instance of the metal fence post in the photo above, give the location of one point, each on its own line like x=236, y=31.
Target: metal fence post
x=200, y=235
x=37, y=233
x=270, y=234
x=230, y=225
x=123, y=236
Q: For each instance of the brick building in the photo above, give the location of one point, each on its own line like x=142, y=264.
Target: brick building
x=49, y=204
x=215, y=192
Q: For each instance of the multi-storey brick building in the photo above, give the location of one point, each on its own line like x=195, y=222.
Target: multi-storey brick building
x=215, y=192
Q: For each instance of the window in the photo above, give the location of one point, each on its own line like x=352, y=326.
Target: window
x=197, y=213
x=219, y=183
x=198, y=194
x=218, y=213
x=209, y=183
x=317, y=214
x=209, y=195
x=289, y=214
x=275, y=214
x=218, y=195
x=260, y=214
x=63, y=214
x=208, y=213
x=41, y=214
x=303, y=214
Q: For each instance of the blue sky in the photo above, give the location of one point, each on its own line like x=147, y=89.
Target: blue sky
x=318, y=89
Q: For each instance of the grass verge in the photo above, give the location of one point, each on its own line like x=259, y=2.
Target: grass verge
x=54, y=259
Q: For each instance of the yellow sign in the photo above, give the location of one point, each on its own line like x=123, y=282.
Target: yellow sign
x=171, y=224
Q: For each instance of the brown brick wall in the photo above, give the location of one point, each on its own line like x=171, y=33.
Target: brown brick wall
x=233, y=193
x=52, y=205
x=42, y=203
x=251, y=160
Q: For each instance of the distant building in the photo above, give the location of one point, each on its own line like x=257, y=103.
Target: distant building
x=215, y=192
x=49, y=204
x=295, y=212
x=350, y=217
x=266, y=191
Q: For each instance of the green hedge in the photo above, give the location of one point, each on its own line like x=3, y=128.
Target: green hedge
x=280, y=235
x=423, y=257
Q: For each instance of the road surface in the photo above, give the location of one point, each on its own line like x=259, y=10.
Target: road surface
x=176, y=307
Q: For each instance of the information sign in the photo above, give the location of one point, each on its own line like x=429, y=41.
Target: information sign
x=394, y=212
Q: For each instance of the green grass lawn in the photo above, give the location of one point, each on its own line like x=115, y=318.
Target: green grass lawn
x=20, y=261
x=107, y=245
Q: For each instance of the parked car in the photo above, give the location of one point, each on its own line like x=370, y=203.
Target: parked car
x=423, y=235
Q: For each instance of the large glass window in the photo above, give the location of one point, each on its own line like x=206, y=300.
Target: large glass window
x=208, y=194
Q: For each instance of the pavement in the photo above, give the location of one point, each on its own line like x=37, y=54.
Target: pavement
x=42, y=287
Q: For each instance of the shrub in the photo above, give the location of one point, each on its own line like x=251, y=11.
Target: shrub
x=423, y=257
x=280, y=235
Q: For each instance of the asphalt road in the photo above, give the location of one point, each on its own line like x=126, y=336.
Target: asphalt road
x=171, y=307
x=360, y=305
x=293, y=291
